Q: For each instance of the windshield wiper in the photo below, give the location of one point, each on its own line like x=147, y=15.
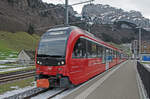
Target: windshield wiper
x=44, y=55
x=57, y=56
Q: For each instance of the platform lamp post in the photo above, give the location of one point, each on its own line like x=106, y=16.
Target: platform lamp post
x=139, y=40
x=140, y=37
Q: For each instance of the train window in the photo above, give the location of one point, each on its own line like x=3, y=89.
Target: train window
x=83, y=41
x=89, y=49
x=94, y=50
x=111, y=55
x=104, y=55
x=119, y=55
x=107, y=55
x=114, y=54
x=110, y=52
x=79, y=50
x=53, y=43
x=99, y=51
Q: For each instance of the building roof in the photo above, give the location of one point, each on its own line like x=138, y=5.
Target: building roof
x=30, y=53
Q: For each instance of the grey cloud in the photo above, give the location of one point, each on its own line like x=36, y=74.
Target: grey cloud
x=143, y=6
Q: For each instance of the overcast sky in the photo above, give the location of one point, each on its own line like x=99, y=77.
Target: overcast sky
x=139, y=5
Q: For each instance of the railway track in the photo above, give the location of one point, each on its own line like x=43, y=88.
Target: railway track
x=57, y=93
x=51, y=91
x=17, y=72
x=16, y=77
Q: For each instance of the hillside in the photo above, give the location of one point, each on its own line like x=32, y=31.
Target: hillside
x=35, y=17
x=113, y=33
x=17, y=41
x=109, y=34
x=21, y=15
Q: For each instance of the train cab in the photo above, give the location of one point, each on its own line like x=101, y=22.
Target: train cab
x=51, y=57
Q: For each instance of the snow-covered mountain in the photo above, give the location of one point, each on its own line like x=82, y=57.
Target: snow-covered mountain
x=105, y=14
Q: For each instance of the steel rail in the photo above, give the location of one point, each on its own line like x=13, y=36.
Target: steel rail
x=35, y=94
x=58, y=93
x=16, y=77
x=45, y=90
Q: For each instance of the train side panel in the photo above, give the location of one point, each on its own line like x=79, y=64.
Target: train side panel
x=82, y=69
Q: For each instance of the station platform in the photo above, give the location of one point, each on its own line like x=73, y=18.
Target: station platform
x=119, y=82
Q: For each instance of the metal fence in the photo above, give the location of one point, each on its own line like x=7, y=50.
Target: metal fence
x=145, y=77
x=26, y=62
x=17, y=67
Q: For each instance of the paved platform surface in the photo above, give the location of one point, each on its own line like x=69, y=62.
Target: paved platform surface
x=118, y=83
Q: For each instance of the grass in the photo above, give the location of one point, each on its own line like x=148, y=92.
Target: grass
x=24, y=69
x=17, y=41
x=12, y=66
x=8, y=67
x=145, y=62
x=9, y=64
x=12, y=43
x=8, y=54
x=2, y=58
x=21, y=84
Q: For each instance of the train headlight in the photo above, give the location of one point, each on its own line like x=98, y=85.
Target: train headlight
x=58, y=63
x=62, y=62
x=38, y=62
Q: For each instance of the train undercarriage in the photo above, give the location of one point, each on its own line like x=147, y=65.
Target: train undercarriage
x=45, y=81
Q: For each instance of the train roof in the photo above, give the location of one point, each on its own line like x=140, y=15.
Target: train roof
x=71, y=28
x=63, y=28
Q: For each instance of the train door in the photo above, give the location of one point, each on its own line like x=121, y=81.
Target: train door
x=107, y=59
x=104, y=55
x=77, y=66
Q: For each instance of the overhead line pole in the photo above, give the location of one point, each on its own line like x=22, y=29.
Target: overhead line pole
x=82, y=2
x=67, y=19
x=66, y=7
x=42, y=28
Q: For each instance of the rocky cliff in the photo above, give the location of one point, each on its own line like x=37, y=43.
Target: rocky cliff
x=105, y=14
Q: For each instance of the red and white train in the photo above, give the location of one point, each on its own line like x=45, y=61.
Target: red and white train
x=68, y=56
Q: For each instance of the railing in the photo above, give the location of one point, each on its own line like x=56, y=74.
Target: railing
x=145, y=77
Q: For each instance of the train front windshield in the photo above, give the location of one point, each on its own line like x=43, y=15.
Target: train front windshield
x=53, y=44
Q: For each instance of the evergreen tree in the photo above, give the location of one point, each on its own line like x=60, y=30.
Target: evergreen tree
x=31, y=29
